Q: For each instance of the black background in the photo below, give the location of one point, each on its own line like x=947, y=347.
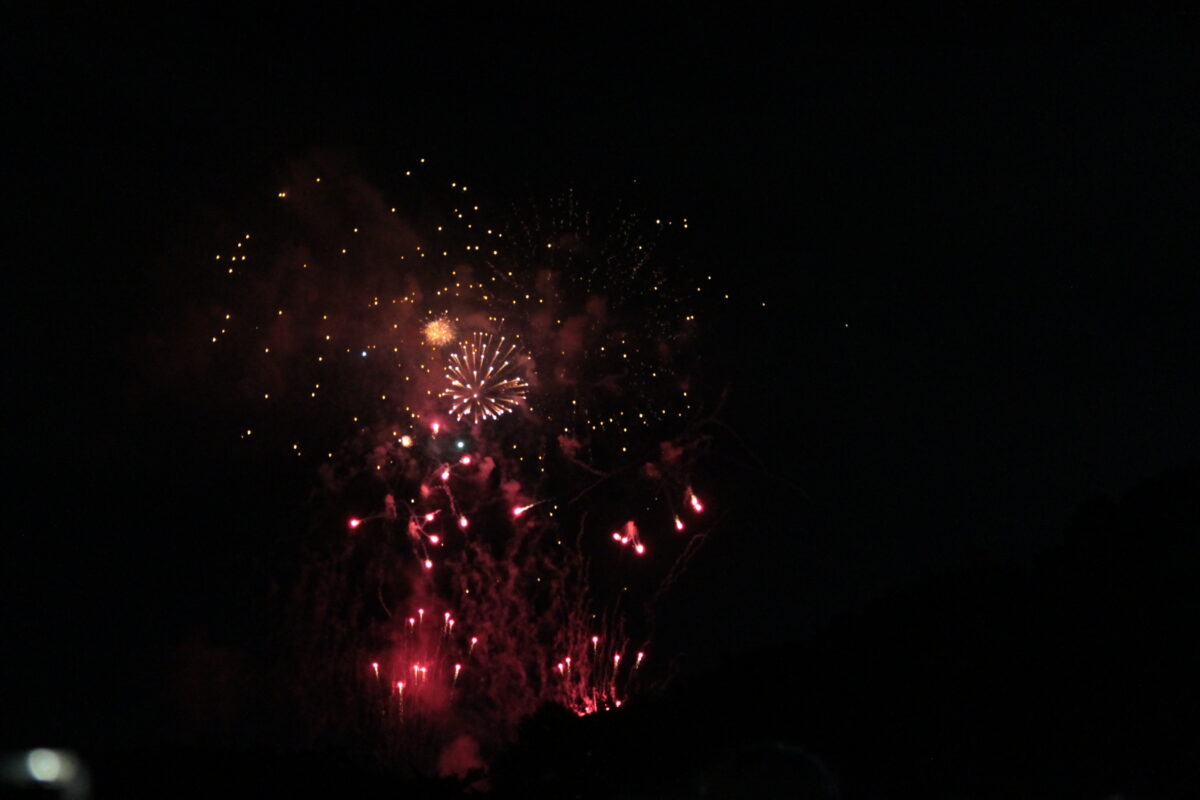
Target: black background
x=967, y=560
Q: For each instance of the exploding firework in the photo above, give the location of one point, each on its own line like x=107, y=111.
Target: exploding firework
x=484, y=383
x=474, y=575
x=439, y=332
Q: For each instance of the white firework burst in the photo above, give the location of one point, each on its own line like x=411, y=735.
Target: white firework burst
x=484, y=379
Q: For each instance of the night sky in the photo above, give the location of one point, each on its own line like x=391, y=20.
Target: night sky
x=977, y=244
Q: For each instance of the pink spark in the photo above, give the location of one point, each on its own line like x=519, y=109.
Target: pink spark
x=695, y=501
x=375, y=666
x=430, y=516
x=434, y=539
x=435, y=427
x=428, y=564
x=519, y=510
x=465, y=461
x=639, y=548
x=446, y=474
x=354, y=522
x=617, y=537
x=678, y=523
x=462, y=523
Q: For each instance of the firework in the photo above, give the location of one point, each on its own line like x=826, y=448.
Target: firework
x=364, y=361
x=440, y=332
x=484, y=379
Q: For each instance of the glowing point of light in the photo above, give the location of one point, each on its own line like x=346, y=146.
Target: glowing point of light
x=45, y=766
x=460, y=444
x=640, y=656
x=678, y=524
x=445, y=474
x=639, y=548
x=463, y=523
x=434, y=539
x=435, y=427
x=465, y=461
x=457, y=669
x=400, y=687
x=406, y=441
x=429, y=517
x=616, y=536
x=375, y=666
x=421, y=614
x=519, y=510
x=616, y=659
x=354, y=523
x=428, y=564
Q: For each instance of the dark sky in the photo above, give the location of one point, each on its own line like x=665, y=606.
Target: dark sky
x=979, y=246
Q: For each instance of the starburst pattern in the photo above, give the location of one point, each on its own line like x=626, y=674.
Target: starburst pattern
x=484, y=378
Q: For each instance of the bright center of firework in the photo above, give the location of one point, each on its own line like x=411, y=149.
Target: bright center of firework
x=484, y=379
x=439, y=332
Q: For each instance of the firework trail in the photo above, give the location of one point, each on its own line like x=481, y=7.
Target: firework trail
x=468, y=389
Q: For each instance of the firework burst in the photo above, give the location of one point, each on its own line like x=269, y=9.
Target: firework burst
x=484, y=378
x=439, y=332
x=479, y=571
